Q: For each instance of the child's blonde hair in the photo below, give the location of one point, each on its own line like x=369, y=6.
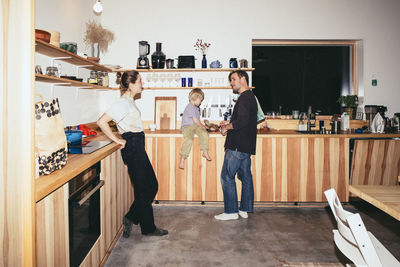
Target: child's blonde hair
x=195, y=93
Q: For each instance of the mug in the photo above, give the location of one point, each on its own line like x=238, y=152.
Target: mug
x=215, y=64
x=152, y=127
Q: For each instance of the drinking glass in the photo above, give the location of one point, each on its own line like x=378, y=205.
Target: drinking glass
x=162, y=79
x=154, y=77
x=170, y=77
x=177, y=79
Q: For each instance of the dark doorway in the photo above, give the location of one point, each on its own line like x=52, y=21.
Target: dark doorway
x=293, y=77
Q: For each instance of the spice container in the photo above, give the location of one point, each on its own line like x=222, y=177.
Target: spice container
x=93, y=77
x=106, y=80
x=100, y=78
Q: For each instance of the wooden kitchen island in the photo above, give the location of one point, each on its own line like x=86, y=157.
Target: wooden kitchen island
x=288, y=166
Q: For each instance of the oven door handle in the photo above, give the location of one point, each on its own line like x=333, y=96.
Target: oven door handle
x=97, y=187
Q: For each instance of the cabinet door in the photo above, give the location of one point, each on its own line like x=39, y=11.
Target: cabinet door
x=52, y=240
x=116, y=197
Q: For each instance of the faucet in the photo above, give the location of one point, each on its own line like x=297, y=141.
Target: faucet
x=309, y=124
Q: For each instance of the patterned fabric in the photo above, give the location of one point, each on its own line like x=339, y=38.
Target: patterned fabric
x=50, y=139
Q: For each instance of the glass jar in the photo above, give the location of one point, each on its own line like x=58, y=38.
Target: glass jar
x=93, y=77
x=52, y=71
x=100, y=78
x=106, y=80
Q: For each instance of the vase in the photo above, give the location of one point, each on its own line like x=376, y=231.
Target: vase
x=95, y=50
x=204, y=62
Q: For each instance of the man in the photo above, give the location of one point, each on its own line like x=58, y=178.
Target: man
x=240, y=144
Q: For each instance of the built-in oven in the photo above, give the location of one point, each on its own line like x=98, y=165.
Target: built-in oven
x=84, y=213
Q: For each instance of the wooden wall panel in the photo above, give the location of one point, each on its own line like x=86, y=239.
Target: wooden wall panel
x=116, y=198
x=52, y=238
x=375, y=162
x=17, y=132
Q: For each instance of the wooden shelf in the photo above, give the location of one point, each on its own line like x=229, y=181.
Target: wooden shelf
x=67, y=82
x=184, y=70
x=56, y=52
x=186, y=88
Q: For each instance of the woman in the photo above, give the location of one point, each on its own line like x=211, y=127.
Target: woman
x=127, y=117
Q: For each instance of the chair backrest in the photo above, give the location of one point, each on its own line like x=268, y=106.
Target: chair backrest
x=352, y=229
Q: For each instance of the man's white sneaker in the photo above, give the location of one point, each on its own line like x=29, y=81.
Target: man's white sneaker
x=226, y=216
x=243, y=214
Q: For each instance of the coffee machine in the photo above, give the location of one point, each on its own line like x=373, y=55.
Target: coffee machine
x=144, y=50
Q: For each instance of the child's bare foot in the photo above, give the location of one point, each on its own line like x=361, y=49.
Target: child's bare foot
x=206, y=156
x=182, y=164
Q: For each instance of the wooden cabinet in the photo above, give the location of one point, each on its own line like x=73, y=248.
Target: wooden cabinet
x=52, y=238
x=116, y=198
x=295, y=169
x=52, y=228
x=375, y=162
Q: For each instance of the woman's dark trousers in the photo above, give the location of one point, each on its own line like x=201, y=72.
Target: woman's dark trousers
x=143, y=179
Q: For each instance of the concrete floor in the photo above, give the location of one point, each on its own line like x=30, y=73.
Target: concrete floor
x=270, y=236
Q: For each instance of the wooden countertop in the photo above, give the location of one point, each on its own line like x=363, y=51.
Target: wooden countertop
x=76, y=163
x=276, y=133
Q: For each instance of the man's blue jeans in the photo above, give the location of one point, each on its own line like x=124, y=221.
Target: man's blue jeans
x=240, y=163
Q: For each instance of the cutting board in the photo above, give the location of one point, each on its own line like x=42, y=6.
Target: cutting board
x=165, y=113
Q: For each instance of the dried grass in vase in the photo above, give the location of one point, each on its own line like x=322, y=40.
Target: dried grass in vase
x=95, y=33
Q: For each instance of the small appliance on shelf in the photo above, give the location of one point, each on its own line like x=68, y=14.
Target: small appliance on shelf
x=144, y=50
x=158, y=58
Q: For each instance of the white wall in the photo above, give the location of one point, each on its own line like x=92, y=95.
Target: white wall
x=69, y=18
x=230, y=27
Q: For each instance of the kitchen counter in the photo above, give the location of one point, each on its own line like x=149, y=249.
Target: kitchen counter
x=76, y=163
x=280, y=133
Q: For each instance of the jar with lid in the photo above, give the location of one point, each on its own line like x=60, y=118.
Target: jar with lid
x=93, y=77
x=100, y=78
x=106, y=80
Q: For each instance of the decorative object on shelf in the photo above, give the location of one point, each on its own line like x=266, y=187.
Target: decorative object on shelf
x=54, y=38
x=42, y=35
x=215, y=64
x=158, y=58
x=38, y=69
x=350, y=103
x=243, y=63
x=98, y=36
x=233, y=63
x=70, y=47
x=203, y=48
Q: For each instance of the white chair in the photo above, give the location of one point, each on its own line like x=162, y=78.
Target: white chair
x=353, y=239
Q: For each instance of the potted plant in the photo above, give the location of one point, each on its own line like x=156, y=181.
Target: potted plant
x=349, y=104
x=98, y=38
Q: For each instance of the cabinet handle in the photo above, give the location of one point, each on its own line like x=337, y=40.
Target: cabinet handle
x=97, y=187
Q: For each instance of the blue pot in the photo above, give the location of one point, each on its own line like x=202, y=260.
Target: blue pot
x=74, y=137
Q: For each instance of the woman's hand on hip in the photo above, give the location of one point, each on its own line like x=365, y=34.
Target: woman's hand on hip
x=122, y=142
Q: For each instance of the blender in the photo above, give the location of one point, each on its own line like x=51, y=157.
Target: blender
x=144, y=50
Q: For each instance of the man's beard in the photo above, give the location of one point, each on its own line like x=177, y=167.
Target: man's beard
x=235, y=90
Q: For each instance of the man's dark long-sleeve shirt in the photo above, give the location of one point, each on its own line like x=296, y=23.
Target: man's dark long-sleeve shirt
x=243, y=136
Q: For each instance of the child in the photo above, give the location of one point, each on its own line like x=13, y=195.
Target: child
x=191, y=125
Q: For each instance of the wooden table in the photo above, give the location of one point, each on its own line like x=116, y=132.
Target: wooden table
x=384, y=197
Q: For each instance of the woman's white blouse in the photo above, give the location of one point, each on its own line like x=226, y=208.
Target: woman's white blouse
x=126, y=115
